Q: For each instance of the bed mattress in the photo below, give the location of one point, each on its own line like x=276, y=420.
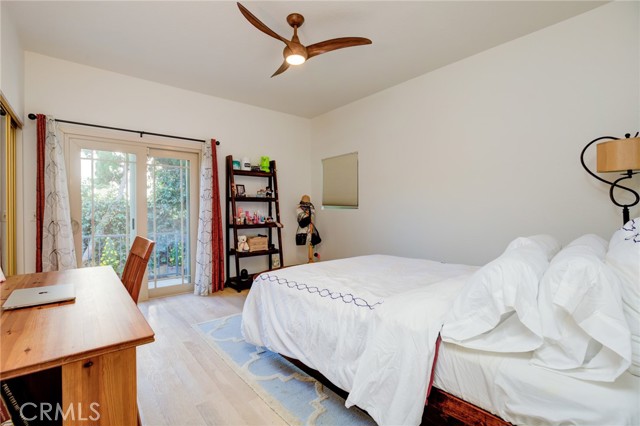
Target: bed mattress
x=509, y=387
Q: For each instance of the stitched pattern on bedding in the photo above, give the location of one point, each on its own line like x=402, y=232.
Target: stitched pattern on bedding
x=633, y=229
x=322, y=292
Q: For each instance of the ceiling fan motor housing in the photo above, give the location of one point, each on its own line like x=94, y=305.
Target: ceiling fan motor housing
x=295, y=20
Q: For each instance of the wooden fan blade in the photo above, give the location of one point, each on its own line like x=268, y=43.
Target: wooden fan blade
x=283, y=68
x=334, y=44
x=259, y=25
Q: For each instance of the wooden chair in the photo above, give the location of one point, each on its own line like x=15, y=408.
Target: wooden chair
x=136, y=266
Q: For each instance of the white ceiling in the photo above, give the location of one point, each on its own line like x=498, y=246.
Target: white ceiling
x=209, y=47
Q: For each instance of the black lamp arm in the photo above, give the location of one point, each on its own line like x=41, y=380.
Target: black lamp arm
x=585, y=165
x=627, y=175
x=625, y=207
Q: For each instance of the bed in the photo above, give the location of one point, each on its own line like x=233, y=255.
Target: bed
x=371, y=326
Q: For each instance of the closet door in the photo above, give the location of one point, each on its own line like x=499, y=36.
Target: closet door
x=9, y=126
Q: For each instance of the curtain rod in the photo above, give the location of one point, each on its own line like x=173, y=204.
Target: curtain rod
x=140, y=132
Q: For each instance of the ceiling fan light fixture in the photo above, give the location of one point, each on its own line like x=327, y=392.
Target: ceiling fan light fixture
x=295, y=53
x=295, y=59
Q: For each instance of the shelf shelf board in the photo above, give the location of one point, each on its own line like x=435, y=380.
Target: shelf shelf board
x=254, y=199
x=250, y=173
x=252, y=226
x=236, y=284
x=242, y=254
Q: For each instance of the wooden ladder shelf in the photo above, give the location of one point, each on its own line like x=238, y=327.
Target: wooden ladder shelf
x=273, y=206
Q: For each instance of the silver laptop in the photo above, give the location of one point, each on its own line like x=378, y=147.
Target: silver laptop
x=35, y=296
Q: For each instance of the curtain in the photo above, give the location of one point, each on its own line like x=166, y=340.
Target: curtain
x=41, y=124
x=209, y=250
x=54, y=237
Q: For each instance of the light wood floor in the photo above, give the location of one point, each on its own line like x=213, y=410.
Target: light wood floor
x=181, y=380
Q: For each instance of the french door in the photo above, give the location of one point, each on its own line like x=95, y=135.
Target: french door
x=120, y=190
x=171, y=218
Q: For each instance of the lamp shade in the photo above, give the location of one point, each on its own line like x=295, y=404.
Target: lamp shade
x=619, y=155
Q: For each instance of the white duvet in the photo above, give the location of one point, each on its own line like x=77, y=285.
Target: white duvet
x=362, y=310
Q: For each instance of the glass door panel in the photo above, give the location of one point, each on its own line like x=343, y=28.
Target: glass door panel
x=108, y=200
x=170, y=217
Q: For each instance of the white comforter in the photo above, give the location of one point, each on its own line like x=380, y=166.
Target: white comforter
x=348, y=318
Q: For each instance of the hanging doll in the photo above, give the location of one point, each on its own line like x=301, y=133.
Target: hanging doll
x=307, y=231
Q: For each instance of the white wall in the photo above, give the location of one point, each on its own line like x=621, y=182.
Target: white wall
x=11, y=62
x=12, y=87
x=79, y=93
x=456, y=163
x=2, y=29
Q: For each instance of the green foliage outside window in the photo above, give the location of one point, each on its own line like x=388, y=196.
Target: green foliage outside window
x=106, y=212
x=110, y=256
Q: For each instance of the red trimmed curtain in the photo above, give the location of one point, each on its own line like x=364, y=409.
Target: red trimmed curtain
x=41, y=123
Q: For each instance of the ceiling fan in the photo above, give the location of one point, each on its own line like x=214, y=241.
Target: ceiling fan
x=295, y=53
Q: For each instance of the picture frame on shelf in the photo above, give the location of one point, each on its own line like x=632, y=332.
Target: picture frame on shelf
x=240, y=191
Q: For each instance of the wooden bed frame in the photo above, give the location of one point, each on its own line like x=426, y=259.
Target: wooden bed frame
x=446, y=409
x=443, y=408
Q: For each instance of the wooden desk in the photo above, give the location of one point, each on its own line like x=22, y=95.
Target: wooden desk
x=93, y=340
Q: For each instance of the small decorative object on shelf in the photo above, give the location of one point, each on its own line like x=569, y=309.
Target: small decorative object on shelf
x=245, y=164
x=245, y=278
x=242, y=246
x=264, y=164
x=258, y=243
x=236, y=165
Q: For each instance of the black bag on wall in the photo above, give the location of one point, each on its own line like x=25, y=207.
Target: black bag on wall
x=315, y=237
x=301, y=239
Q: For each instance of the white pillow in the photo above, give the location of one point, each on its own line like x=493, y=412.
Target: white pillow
x=624, y=258
x=497, y=311
x=585, y=332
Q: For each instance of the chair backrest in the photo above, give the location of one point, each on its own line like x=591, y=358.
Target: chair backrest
x=136, y=266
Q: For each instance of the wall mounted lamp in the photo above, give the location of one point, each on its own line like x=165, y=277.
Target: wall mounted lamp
x=617, y=155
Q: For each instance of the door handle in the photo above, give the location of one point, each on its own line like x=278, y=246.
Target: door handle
x=75, y=226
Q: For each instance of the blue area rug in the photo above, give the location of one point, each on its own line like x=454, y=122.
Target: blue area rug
x=298, y=398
